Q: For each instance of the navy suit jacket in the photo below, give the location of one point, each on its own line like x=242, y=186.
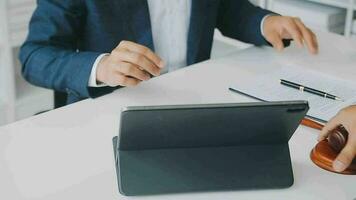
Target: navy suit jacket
x=66, y=36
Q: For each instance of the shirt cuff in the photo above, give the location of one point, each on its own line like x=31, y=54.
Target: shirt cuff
x=262, y=24
x=92, y=78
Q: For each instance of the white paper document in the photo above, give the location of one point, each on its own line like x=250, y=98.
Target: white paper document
x=268, y=88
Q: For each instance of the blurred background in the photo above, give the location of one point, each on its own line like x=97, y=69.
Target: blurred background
x=19, y=99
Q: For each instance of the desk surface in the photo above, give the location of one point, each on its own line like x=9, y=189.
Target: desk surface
x=67, y=153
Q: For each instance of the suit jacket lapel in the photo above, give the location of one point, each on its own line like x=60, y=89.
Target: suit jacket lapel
x=138, y=22
x=197, y=22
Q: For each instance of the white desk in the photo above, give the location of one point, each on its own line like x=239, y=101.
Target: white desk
x=67, y=153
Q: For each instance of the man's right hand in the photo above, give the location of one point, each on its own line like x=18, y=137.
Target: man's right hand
x=347, y=118
x=128, y=65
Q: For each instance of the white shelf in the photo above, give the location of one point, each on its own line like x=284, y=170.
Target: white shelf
x=7, y=93
x=261, y=3
x=19, y=98
x=20, y=12
x=336, y=3
x=348, y=5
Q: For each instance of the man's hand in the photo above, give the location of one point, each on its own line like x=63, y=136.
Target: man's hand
x=277, y=28
x=347, y=118
x=128, y=65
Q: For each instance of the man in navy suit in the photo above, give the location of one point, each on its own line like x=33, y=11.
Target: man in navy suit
x=87, y=48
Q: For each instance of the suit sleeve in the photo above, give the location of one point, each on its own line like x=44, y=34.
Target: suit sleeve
x=50, y=57
x=241, y=20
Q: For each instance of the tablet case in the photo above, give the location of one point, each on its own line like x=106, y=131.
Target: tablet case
x=191, y=148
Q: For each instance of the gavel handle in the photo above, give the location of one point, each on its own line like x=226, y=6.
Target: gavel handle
x=312, y=124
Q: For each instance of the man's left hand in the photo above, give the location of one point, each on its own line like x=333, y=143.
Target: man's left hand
x=277, y=28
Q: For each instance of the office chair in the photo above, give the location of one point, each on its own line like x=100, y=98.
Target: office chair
x=60, y=99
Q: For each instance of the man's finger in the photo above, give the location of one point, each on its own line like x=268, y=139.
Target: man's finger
x=139, y=60
x=133, y=70
x=140, y=49
x=308, y=37
x=331, y=125
x=346, y=156
x=292, y=28
x=123, y=80
x=276, y=41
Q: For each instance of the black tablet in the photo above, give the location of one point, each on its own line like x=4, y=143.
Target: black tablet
x=215, y=147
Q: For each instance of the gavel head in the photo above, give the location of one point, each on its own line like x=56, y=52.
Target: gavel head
x=338, y=138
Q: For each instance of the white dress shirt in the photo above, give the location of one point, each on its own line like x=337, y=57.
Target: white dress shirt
x=170, y=24
x=170, y=21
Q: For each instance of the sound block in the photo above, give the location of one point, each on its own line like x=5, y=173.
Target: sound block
x=325, y=152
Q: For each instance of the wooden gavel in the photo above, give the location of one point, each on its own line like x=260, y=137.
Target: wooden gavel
x=325, y=152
